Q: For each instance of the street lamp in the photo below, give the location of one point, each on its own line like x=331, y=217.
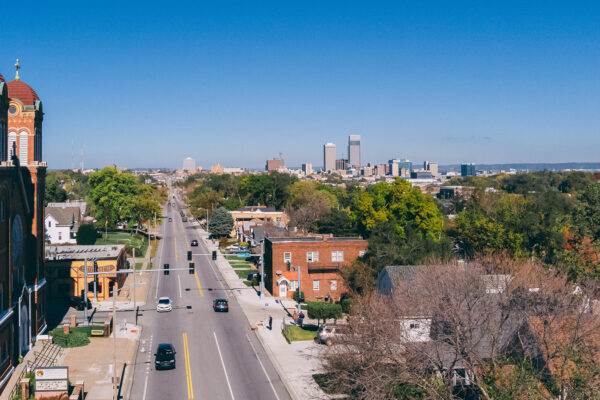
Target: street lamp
x=299, y=290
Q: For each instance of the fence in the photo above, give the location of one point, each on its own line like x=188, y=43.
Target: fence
x=43, y=358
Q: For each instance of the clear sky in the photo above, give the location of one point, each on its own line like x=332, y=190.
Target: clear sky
x=149, y=83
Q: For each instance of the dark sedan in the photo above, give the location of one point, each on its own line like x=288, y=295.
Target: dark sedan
x=221, y=305
x=164, y=358
x=194, y=243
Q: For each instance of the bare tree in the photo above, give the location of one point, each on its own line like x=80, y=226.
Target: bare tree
x=489, y=329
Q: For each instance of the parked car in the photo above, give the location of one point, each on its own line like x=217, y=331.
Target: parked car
x=221, y=305
x=77, y=303
x=194, y=243
x=328, y=334
x=164, y=305
x=164, y=358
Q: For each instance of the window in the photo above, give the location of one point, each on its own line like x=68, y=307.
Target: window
x=414, y=326
x=293, y=285
x=287, y=257
x=59, y=235
x=23, y=147
x=316, y=286
x=337, y=256
x=312, y=256
x=333, y=284
x=361, y=253
x=49, y=224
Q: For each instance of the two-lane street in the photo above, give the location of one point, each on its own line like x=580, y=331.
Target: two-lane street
x=218, y=356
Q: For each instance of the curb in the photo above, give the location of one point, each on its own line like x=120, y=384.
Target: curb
x=131, y=374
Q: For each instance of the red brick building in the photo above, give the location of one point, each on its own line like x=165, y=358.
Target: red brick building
x=319, y=258
x=22, y=278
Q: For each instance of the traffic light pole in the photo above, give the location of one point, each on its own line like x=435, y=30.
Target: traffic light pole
x=262, y=269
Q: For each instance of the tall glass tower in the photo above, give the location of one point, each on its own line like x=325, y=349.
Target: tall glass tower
x=354, y=151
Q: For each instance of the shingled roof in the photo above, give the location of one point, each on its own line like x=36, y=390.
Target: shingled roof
x=65, y=216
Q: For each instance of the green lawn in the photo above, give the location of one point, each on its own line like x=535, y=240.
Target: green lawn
x=137, y=241
x=241, y=265
x=295, y=333
x=243, y=273
x=138, y=265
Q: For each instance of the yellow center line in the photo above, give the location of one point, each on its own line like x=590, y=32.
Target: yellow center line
x=198, y=282
x=188, y=370
x=175, y=238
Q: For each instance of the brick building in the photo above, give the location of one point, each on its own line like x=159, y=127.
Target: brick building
x=22, y=278
x=319, y=258
x=275, y=164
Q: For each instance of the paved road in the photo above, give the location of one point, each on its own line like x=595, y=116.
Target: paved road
x=218, y=356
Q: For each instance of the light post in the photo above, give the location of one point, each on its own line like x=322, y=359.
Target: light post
x=262, y=269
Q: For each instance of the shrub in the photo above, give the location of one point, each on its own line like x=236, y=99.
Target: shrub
x=86, y=234
x=295, y=296
x=74, y=339
x=323, y=311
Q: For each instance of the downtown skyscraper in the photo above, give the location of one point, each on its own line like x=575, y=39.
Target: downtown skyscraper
x=354, y=151
x=329, y=157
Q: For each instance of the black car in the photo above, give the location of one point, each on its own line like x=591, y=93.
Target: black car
x=77, y=303
x=170, y=219
x=195, y=243
x=221, y=305
x=164, y=358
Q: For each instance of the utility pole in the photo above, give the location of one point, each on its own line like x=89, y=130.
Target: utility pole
x=299, y=290
x=134, y=303
x=85, y=284
x=262, y=269
x=114, y=331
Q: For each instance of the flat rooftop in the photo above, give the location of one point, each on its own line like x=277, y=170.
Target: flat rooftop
x=313, y=239
x=82, y=252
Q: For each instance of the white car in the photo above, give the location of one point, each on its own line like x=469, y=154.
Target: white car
x=164, y=305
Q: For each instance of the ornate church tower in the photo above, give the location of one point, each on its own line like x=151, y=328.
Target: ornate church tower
x=25, y=116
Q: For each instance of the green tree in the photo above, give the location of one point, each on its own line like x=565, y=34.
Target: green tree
x=54, y=191
x=338, y=223
x=221, y=223
x=87, y=234
x=113, y=195
x=587, y=214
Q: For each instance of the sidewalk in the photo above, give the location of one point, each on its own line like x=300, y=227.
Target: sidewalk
x=296, y=362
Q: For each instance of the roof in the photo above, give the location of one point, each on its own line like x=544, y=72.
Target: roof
x=82, y=252
x=313, y=239
x=65, y=215
x=257, y=209
x=18, y=89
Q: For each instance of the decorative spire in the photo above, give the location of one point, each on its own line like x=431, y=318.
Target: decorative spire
x=18, y=67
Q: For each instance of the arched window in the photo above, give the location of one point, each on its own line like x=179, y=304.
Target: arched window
x=12, y=139
x=23, y=147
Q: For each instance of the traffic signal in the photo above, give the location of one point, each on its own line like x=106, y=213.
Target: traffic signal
x=214, y=255
x=192, y=267
x=189, y=255
x=166, y=269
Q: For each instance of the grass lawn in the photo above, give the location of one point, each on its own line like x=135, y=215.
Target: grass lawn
x=137, y=241
x=241, y=265
x=138, y=265
x=243, y=273
x=295, y=333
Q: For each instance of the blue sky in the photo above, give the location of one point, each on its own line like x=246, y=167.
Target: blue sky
x=147, y=84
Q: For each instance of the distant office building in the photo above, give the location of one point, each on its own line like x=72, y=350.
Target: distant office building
x=406, y=164
x=329, y=157
x=189, y=164
x=431, y=167
x=467, y=169
x=394, y=169
x=421, y=174
x=275, y=164
x=307, y=169
x=341, y=164
x=354, y=151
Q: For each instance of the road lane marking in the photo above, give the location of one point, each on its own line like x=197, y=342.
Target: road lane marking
x=263, y=367
x=175, y=239
x=198, y=283
x=145, y=387
x=188, y=370
x=224, y=369
x=179, y=280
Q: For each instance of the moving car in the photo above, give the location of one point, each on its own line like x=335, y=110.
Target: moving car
x=77, y=303
x=164, y=305
x=328, y=334
x=170, y=219
x=164, y=358
x=221, y=305
x=195, y=243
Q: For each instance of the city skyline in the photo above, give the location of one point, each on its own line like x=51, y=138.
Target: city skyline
x=487, y=83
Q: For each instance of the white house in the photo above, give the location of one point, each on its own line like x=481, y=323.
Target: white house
x=61, y=224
